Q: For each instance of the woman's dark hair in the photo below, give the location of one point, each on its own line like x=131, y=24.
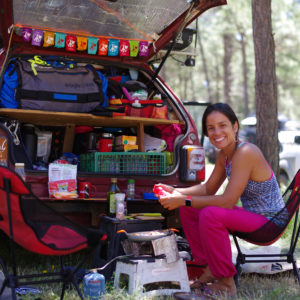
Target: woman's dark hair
x=223, y=108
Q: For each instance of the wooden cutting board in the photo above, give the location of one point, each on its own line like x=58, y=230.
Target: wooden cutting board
x=150, y=218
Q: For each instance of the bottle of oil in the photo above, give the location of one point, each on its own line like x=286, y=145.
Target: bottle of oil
x=111, y=200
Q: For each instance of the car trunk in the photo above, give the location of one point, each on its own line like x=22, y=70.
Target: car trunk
x=71, y=130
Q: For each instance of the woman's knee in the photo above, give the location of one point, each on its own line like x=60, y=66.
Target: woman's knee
x=208, y=214
x=188, y=212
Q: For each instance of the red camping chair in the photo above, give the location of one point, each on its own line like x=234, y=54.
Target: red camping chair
x=38, y=228
x=271, y=232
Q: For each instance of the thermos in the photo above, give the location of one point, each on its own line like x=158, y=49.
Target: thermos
x=30, y=141
x=93, y=285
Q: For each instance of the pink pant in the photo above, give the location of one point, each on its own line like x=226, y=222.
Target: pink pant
x=207, y=231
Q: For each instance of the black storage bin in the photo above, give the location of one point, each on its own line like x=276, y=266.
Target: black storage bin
x=113, y=246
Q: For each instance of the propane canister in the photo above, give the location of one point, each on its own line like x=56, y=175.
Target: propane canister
x=93, y=285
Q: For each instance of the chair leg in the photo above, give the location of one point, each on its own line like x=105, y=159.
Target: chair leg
x=69, y=277
x=9, y=281
x=296, y=271
x=77, y=288
x=5, y=273
x=12, y=285
x=74, y=282
x=236, y=279
x=63, y=291
x=13, y=294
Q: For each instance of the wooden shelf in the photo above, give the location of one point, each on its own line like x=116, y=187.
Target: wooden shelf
x=70, y=120
x=48, y=199
x=50, y=118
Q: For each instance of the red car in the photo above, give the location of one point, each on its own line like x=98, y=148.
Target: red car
x=147, y=130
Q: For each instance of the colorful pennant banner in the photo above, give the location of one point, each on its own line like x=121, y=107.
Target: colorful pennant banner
x=93, y=45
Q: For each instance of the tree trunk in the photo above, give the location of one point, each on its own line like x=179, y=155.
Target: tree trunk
x=265, y=83
x=180, y=86
x=245, y=74
x=192, y=82
x=185, y=86
x=204, y=64
x=227, y=68
x=218, y=79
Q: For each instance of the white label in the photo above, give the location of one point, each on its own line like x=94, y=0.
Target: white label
x=196, y=159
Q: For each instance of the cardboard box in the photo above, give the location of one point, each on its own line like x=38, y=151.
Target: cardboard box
x=125, y=140
x=124, y=148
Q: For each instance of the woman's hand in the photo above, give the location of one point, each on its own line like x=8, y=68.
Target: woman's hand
x=172, y=201
x=165, y=187
x=168, y=196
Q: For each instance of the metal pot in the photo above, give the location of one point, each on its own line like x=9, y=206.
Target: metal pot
x=163, y=242
x=145, y=236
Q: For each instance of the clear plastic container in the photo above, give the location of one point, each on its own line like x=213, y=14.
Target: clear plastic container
x=120, y=205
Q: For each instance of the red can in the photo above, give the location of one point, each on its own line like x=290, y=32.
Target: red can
x=105, y=143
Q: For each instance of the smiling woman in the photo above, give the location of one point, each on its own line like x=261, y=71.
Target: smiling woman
x=207, y=218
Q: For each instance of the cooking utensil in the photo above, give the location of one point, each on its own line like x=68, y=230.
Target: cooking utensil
x=146, y=214
x=145, y=236
x=150, y=218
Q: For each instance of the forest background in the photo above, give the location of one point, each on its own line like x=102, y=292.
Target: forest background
x=225, y=64
x=248, y=58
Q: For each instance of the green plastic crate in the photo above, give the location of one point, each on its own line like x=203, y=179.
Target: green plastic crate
x=124, y=163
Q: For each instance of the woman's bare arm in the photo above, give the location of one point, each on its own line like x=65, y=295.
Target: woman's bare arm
x=242, y=166
x=212, y=185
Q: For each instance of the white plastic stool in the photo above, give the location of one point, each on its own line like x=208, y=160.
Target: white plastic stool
x=141, y=272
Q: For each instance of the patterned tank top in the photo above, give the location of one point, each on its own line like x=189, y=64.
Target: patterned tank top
x=263, y=198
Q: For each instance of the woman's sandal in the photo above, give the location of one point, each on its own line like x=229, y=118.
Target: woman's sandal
x=206, y=291
x=197, y=284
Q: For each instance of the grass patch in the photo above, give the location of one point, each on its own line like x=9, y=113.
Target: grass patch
x=281, y=286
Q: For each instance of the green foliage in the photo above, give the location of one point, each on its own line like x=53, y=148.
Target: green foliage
x=236, y=19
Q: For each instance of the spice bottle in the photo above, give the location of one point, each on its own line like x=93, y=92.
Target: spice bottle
x=130, y=189
x=111, y=200
x=130, y=195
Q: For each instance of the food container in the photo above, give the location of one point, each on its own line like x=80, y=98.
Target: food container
x=105, y=143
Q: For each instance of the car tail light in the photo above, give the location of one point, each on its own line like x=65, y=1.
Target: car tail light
x=192, y=163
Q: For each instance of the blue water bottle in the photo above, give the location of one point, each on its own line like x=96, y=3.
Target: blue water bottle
x=93, y=285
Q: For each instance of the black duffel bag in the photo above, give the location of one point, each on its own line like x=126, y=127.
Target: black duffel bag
x=56, y=87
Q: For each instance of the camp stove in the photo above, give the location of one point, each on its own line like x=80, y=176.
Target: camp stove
x=152, y=260
x=161, y=247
